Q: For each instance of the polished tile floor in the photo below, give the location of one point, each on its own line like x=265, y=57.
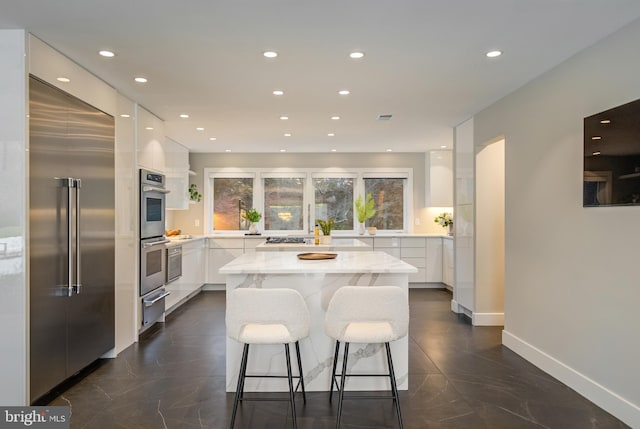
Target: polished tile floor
x=460, y=377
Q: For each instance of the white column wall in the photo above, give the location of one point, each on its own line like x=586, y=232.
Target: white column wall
x=572, y=285
x=13, y=219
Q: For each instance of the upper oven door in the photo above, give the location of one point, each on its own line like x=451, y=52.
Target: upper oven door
x=152, y=211
x=152, y=204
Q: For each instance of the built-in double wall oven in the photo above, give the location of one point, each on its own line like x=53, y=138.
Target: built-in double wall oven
x=153, y=254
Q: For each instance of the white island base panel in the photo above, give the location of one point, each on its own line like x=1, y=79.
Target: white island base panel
x=318, y=349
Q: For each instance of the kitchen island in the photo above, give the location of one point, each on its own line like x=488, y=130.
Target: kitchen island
x=317, y=281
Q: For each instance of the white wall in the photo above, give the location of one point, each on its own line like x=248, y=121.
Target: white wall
x=489, y=243
x=572, y=281
x=13, y=218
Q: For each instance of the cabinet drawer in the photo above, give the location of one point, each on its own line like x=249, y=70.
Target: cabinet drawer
x=413, y=242
x=386, y=242
x=390, y=250
x=226, y=243
x=419, y=277
x=251, y=243
x=413, y=252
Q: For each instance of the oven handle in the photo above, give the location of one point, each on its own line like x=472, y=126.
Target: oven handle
x=148, y=302
x=147, y=188
x=156, y=243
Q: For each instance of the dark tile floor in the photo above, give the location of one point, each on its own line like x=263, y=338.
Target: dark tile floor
x=461, y=377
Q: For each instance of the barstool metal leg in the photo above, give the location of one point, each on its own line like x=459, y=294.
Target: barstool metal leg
x=394, y=387
x=304, y=394
x=291, y=391
x=342, y=383
x=240, y=386
x=333, y=371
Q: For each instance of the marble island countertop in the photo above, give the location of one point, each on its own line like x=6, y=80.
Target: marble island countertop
x=288, y=263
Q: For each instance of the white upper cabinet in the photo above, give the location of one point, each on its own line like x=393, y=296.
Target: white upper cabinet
x=150, y=141
x=177, y=172
x=440, y=177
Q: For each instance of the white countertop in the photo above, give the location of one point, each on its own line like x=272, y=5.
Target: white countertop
x=288, y=262
x=308, y=246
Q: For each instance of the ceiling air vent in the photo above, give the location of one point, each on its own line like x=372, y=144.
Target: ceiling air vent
x=384, y=117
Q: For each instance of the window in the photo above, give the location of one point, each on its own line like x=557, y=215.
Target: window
x=334, y=199
x=388, y=194
x=283, y=203
x=231, y=196
x=292, y=200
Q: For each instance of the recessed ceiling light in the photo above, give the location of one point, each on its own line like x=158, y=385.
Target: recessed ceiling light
x=389, y=150
x=149, y=128
x=334, y=150
x=344, y=92
x=330, y=135
x=335, y=118
x=270, y=54
x=184, y=115
x=199, y=129
x=107, y=54
x=278, y=92
x=283, y=150
x=212, y=139
x=605, y=121
x=356, y=55
x=141, y=79
x=227, y=150
x=64, y=79
x=596, y=153
x=284, y=118
x=444, y=146
x=287, y=134
x=124, y=115
x=494, y=54
x=596, y=138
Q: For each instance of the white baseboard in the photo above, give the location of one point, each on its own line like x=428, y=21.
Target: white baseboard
x=214, y=286
x=610, y=401
x=455, y=307
x=435, y=285
x=487, y=319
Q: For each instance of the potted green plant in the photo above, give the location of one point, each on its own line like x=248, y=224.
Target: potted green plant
x=253, y=216
x=326, y=226
x=364, y=210
x=194, y=195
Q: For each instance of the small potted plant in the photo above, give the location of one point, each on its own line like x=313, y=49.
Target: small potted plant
x=253, y=216
x=326, y=226
x=445, y=220
x=364, y=210
x=194, y=195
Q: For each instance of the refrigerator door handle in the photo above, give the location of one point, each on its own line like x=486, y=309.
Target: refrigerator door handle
x=69, y=183
x=78, y=285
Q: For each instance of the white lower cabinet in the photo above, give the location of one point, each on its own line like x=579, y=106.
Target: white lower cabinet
x=448, y=262
x=413, y=251
x=192, y=279
x=434, y=260
x=220, y=252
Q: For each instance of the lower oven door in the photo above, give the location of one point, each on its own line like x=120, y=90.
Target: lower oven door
x=153, y=306
x=153, y=264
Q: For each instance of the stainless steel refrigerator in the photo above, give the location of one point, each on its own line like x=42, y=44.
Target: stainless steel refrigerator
x=71, y=235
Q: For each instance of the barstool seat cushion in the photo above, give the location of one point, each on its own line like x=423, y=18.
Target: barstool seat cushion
x=254, y=333
x=368, y=332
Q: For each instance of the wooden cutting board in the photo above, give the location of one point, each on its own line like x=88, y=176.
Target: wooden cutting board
x=316, y=256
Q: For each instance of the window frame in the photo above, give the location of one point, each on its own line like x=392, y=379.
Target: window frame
x=308, y=174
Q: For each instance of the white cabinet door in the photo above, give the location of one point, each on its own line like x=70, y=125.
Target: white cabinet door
x=448, y=262
x=440, y=189
x=434, y=260
x=177, y=171
x=216, y=259
x=150, y=142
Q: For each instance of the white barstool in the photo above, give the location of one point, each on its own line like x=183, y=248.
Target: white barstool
x=267, y=316
x=366, y=314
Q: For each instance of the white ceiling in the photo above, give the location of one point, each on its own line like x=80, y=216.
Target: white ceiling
x=425, y=62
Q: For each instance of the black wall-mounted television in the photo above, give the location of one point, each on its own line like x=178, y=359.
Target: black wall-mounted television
x=612, y=157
